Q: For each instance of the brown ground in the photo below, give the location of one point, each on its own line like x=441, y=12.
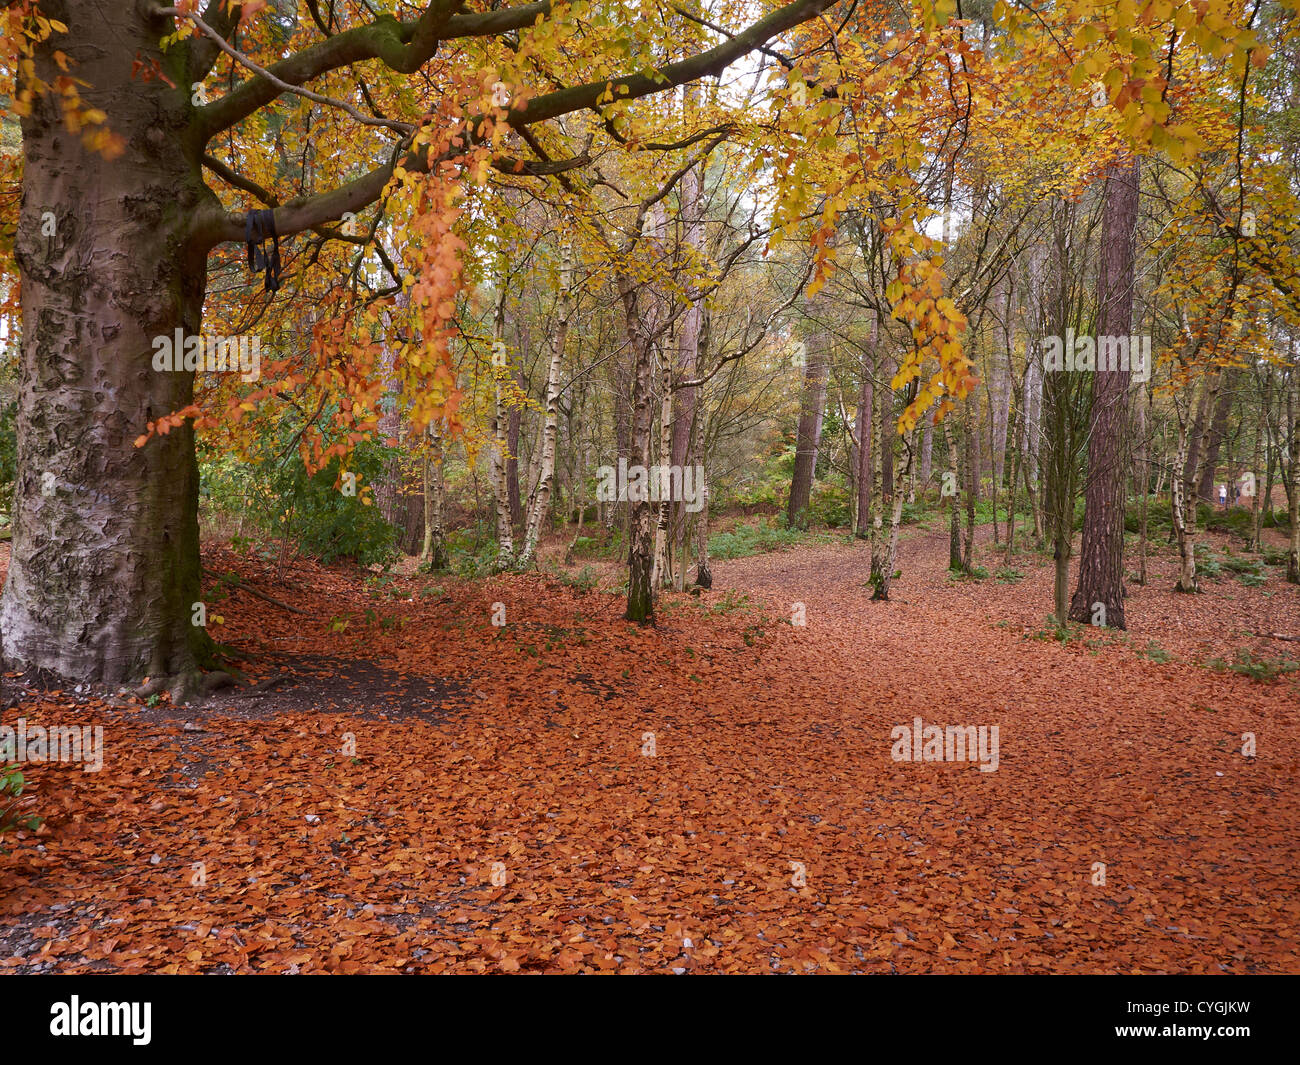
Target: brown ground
x=524, y=746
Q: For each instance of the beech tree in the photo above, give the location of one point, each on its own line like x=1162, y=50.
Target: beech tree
x=104, y=571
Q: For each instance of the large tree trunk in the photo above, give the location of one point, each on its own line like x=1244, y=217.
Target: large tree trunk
x=1144, y=481
x=1061, y=435
x=1101, y=553
x=104, y=567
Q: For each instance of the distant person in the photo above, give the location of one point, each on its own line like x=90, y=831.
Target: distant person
x=1223, y=495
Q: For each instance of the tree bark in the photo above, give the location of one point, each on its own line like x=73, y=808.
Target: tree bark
x=640, y=558
x=537, y=513
x=901, y=473
x=879, y=443
x=433, y=553
x=954, y=521
x=1101, y=552
x=1183, y=500
x=104, y=568
x=866, y=432
x=1217, y=433
x=808, y=435
x=691, y=342
x=1293, y=471
x=501, y=447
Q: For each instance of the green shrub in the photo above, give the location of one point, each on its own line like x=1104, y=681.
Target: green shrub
x=584, y=581
x=1248, y=665
x=1248, y=571
x=1155, y=653
x=13, y=805
x=471, y=552
x=732, y=601
x=829, y=505
x=607, y=545
x=1236, y=521
x=314, y=510
x=746, y=540
x=1159, y=520
x=915, y=513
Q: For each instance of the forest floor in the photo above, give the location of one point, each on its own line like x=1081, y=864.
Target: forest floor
x=570, y=792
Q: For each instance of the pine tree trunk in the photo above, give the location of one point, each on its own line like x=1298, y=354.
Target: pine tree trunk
x=1101, y=552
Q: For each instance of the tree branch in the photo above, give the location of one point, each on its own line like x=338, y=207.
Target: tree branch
x=402, y=46
x=212, y=226
x=404, y=128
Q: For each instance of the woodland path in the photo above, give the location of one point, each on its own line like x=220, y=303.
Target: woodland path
x=771, y=747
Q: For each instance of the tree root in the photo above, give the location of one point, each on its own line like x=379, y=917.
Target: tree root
x=187, y=686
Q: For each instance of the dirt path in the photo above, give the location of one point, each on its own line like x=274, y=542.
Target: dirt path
x=717, y=794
